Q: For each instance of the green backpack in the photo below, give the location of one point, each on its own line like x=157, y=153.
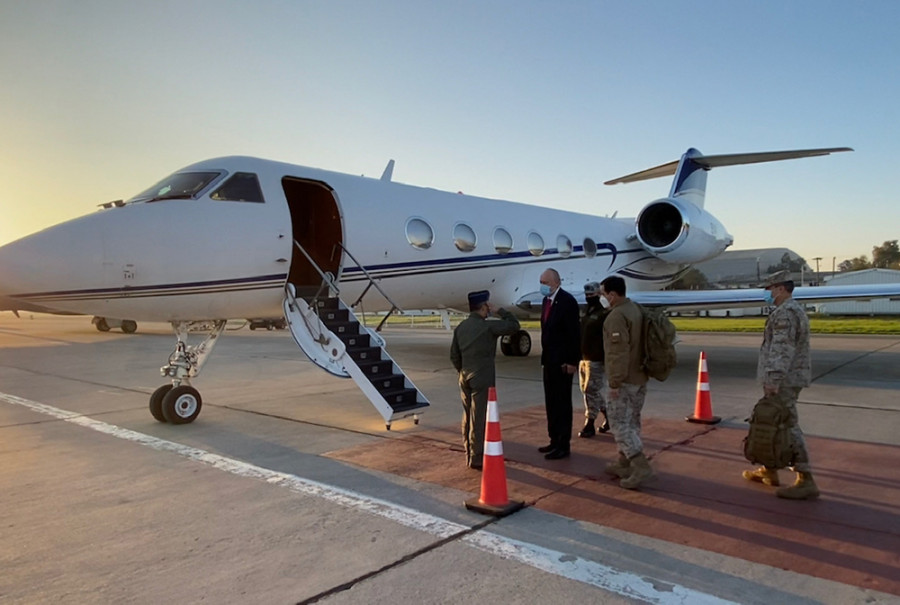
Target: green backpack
x=768, y=442
x=659, y=343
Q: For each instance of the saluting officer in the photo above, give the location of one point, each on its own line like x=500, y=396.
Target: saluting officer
x=472, y=353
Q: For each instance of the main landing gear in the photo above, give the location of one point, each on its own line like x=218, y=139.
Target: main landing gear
x=516, y=345
x=179, y=402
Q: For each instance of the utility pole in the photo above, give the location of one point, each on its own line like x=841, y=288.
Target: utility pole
x=817, y=259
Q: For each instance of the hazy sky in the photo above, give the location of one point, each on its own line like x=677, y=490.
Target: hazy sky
x=537, y=102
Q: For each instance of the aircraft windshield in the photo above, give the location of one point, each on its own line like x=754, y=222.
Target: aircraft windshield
x=181, y=185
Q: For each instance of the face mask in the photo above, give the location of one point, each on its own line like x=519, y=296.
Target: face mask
x=592, y=301
x=604, y=302
x=770, y=300
x=545, y=290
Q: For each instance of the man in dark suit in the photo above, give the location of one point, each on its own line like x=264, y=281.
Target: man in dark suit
x=560, y=354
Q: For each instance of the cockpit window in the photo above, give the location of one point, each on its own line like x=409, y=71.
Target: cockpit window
x=179, y=186
x=241, y=187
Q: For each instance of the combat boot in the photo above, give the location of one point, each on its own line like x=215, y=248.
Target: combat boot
x=640, y=472
x=804, y=488
x=764, y=475
x=588, y=430
x=620, y=468
x=605, y=426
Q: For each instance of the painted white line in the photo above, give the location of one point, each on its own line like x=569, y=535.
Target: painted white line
x=551, y=561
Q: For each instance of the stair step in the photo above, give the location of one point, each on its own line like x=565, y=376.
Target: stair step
x=414, y=405
x=328, y=303
x=400, y=398
x=388, y=383
x=329, y=316
x=378, y=368
x=344, y=327
x=356, y=341
x=365, y=353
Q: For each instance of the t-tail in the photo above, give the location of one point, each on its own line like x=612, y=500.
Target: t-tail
x=676, y=228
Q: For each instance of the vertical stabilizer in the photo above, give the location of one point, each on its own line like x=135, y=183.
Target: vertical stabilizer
x=690, y=179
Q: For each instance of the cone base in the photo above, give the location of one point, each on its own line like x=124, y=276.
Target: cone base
x=710, y=420
x=475, y=504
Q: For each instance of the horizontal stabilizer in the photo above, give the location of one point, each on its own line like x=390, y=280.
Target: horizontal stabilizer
x=714, y=161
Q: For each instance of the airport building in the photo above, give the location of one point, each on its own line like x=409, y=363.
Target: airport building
x=883, y=306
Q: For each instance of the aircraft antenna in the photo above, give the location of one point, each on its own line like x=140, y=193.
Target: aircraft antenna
x=388, y=171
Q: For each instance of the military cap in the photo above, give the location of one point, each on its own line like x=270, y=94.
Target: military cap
x=776, y=279
x=478, y=298
x=592, y=288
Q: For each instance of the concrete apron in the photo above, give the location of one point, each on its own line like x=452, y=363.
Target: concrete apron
x=851, y=534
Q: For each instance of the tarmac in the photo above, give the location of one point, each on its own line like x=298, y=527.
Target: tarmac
x=288, y=488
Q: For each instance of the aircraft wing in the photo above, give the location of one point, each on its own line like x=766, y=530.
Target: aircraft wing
x=14, y=305
x=692, y=300
x=699, y=300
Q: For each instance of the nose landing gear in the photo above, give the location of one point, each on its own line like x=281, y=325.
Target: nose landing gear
x=179, y=402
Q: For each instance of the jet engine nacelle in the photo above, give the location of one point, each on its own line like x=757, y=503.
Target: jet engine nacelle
x=678, y=231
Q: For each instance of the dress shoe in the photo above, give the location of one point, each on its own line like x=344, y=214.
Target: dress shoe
x=557, y=454
x=546, y=448
x=475, y=467
x=604, y=428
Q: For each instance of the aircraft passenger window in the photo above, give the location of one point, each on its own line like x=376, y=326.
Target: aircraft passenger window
x=503, y=241
x=590, y=248
x=181, y=185
x=464, y=237
x=564, y=246
x=419, y=234
x=241, y=187
x=535, y=243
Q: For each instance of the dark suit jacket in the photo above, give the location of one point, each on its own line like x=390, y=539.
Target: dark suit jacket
x=561, y=333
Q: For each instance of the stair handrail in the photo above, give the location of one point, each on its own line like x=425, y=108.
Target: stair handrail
x=327, y=277
x=372, y=282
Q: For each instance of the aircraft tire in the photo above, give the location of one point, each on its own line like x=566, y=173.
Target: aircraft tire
x=506, y=347
x=156, y=400
x=521, y=343
x=102, y=326
x=129, y=326
x=182, y=404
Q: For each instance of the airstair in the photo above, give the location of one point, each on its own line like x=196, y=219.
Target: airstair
x=329, y=333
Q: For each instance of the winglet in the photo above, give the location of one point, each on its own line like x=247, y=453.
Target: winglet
x=388, y=171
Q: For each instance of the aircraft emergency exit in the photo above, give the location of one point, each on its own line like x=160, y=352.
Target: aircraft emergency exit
x=238, y=237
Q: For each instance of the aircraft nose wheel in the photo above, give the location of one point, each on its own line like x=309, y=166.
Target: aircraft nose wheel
x=156, y=400
x=177, y=405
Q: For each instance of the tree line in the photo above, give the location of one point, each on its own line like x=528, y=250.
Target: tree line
x=885, y=256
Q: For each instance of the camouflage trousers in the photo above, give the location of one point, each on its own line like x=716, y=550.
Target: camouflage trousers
x=787, y=396
x=624, y=414
x=590, y=379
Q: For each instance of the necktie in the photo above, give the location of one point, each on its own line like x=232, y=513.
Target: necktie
x=545, y=312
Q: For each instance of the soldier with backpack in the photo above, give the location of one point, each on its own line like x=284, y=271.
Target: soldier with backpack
x=623, y=346
x=784, y=368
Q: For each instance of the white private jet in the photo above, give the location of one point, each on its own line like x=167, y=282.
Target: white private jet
x=239, y=237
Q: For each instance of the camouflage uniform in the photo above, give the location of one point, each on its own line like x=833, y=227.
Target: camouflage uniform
x=784, y=361
x=590, y=369
x=622, y=333
x=624, y=414
x=472, y=353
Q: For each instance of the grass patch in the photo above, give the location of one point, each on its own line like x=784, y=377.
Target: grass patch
x=817, y=324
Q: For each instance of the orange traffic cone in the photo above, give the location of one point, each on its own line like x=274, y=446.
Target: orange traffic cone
x=493, y=500
x=703, y=405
